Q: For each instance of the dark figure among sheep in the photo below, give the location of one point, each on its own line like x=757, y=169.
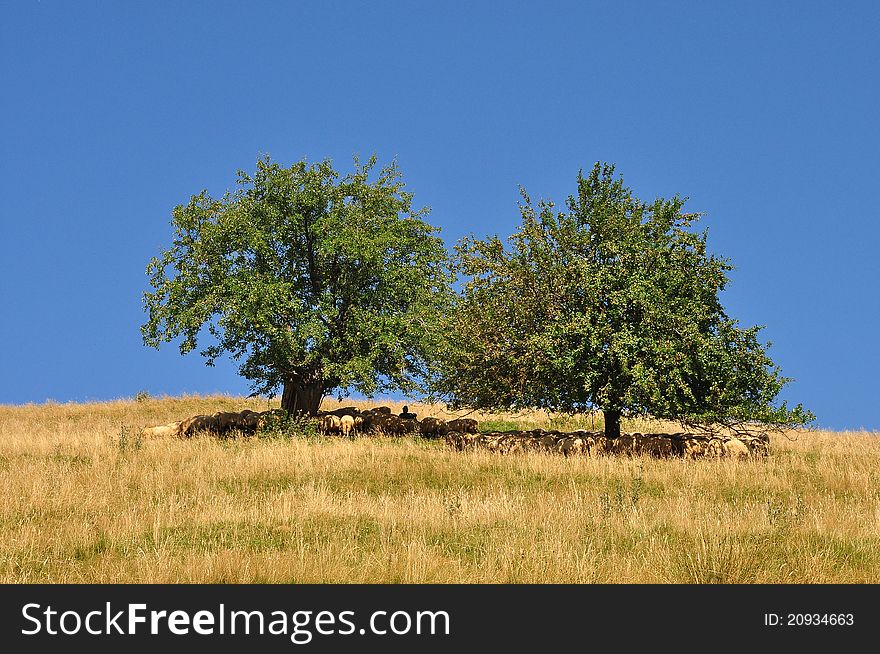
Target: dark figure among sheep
x=406, y=415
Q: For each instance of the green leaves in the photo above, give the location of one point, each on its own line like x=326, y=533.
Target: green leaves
x=303, y=274
x=321, y=282
x=612, y=304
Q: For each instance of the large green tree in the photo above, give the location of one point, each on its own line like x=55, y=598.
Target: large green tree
x=312, y=281
x=611, y=305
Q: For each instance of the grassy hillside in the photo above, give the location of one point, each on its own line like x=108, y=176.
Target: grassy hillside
x=83, y=499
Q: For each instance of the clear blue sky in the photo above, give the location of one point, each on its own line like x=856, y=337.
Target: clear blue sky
x=765, y=114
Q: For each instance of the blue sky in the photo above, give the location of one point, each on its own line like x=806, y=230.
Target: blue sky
x=764, y=114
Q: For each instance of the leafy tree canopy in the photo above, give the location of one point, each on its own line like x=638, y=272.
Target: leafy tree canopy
x=611, y=305
x=313, y=282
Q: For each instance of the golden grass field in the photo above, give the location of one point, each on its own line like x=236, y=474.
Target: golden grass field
x=85, y=500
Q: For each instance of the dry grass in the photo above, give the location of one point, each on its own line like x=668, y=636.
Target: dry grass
x=82, y=499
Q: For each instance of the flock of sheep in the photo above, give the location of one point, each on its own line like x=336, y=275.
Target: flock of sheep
x=585, y=443
x=463, y=434
x=347, y=421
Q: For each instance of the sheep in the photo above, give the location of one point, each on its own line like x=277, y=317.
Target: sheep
x=364, y=422
x=347, y=426
x=693, y=448
x=714, y=448
x=623, y=444
x=200, y=423
x=464, y=425
x=170, y=429
x=389, y=424
x=433, y=427
x=735, y=449
x=227, y=421
x=658, y=446
x=409, y=426
x=572, y=445
x=249, y=420
x=330, y=423
x=758, y=445
x=597, y=445
x=547, y=442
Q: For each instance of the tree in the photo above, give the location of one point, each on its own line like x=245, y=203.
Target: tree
x=611, y=305
x=315, y=283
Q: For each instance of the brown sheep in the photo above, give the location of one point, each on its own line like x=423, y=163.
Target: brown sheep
x=197, y=424
x=218, y=424
x=693, y=448
x=658, y=446
x=623, y=444
x=714, y=448
x=547, y=442
x=464, y=425
x=409, y=426
x=249, y=420
x=734, y=448
x=597, y=445
x=330, y=424
x=758, y=445
x=229, y=421
x=433, y=427
x=389, y=424
x=572, y=445
x=364, y=422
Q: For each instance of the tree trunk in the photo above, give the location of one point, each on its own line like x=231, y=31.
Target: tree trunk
x=612, y=423
x=302, y=396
